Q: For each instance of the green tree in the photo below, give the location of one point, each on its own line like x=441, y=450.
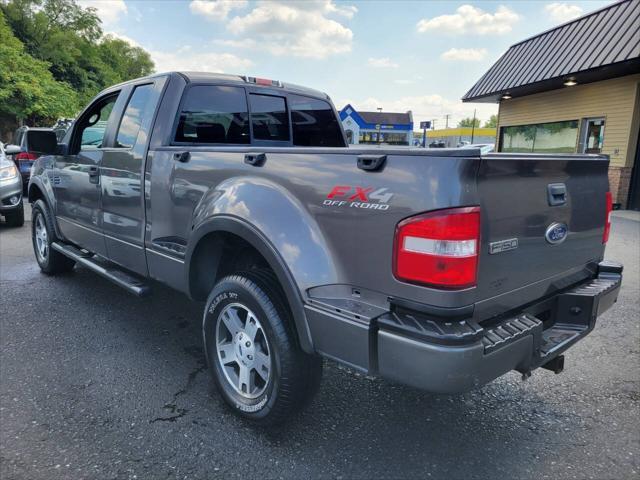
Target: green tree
x=70, y=39
x=492, y=122
x=124, y=60
x=469, y=122
x=28, y=90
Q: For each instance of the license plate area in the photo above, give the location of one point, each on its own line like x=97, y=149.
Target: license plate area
x=24, y=166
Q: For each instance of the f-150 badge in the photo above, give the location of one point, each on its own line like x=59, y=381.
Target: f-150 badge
x=358, y=197
x=503, y=246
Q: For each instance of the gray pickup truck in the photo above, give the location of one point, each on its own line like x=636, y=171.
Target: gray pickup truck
x=440, y=269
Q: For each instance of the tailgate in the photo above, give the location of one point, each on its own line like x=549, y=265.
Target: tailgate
x=530, y=231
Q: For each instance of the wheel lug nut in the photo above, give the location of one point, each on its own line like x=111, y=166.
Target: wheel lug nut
x=248, y=344
x=250, y=357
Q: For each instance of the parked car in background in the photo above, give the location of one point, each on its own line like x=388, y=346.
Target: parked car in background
x=24, y=158
x=10, y=191
x=61, y=126
x=484, y=147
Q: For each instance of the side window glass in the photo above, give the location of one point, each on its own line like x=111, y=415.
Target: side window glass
x=214, y=114
x=314, y=123
x=269, y=118
x=94, y=124
x=136, y=110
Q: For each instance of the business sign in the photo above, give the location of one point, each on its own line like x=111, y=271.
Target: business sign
x=425, y=125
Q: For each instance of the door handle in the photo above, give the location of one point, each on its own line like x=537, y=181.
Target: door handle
x=94, y=175
x=182, y=157
x=255, y=159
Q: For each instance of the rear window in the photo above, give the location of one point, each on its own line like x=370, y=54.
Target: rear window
x=214, y=114
x=314, y=123
x=269, y=118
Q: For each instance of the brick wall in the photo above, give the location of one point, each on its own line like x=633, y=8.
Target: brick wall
x=619, y=182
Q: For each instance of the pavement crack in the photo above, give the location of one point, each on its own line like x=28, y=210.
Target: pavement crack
x=172, y=406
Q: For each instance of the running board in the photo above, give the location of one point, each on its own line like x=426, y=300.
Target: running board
x=104, y=268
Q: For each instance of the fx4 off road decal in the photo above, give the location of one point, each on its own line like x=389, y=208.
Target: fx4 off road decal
x=358, y=197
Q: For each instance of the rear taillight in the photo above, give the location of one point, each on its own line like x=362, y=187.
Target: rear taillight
x=439, y=249
x=26, y=156
x=607, y=220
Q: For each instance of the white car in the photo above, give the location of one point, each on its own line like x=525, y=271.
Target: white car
x=484, y=147
x=10, y=191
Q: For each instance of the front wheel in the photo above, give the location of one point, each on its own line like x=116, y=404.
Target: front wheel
x=43, y=235
x=253, y=353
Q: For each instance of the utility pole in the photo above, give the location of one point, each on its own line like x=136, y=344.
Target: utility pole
x=379, y=125
x=473, y=125
x=446, y=120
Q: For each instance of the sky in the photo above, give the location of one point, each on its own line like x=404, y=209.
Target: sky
x=400, y=55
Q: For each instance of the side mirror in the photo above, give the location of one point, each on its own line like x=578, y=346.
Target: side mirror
x=62, y=149
x=11, y=149
x=43, y=142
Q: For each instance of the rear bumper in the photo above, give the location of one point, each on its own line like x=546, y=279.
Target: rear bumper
x=457, y=356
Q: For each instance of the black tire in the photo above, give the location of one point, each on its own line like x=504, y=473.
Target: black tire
x=294, y=376
x=16, y=217
x=53, y=262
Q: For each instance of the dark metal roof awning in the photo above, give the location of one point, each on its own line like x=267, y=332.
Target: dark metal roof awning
x=597, y=46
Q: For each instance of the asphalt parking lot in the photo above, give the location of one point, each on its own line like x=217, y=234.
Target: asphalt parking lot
x=95, y=383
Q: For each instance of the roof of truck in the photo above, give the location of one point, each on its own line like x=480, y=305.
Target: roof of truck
x=204, y=77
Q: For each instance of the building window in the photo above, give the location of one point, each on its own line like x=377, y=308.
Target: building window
x=554, y=137
x=394, y=138
x=368, y=137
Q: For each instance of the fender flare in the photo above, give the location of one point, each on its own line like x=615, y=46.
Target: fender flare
x=241, y=228
x=36, y=182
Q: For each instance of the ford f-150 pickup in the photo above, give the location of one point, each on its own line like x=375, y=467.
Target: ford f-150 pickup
x=441, y=269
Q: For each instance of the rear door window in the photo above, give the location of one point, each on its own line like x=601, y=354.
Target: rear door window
x=137, y=109
x=214, y=114
x=314, y=123
x=269, y=118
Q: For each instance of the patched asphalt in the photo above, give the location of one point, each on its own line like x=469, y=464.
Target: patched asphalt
x=95, y=383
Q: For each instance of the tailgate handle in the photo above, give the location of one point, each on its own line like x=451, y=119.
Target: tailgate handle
x=557, y=194
x=371, y=163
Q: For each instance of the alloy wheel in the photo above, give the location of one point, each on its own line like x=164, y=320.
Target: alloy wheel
x=42, y=238
x=243, y=350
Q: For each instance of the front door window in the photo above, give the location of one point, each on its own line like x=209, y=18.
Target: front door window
x=93, y=125
x=593, y=135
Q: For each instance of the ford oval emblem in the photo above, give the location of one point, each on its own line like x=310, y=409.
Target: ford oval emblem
x=556, y=233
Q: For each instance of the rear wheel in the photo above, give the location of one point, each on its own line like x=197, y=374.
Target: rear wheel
x=16, y=217
x=252, y=350
x=42, y=236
